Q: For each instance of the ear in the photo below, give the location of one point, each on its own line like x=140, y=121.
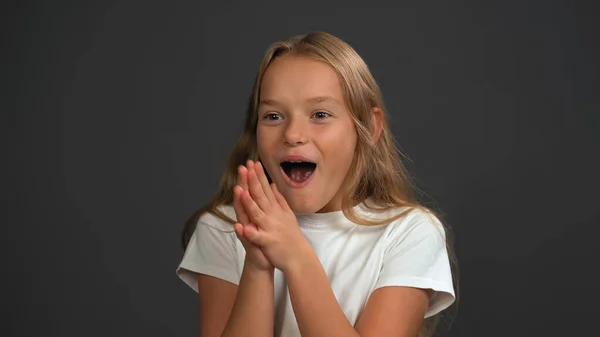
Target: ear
x=376, y=123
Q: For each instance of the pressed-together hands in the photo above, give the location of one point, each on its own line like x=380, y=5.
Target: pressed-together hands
x=254, y=254
x=267, y=226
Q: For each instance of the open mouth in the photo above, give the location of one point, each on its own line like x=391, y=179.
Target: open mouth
x=298, y=171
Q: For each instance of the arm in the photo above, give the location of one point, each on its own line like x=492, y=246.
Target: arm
x=216, y=301
x=210, y=266
x=253, y=310
x=230, y=310
x=390, y=311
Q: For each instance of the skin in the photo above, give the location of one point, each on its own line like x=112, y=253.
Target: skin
x=302, y=112
x=291, y=122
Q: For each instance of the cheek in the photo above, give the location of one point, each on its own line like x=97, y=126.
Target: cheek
x=348, y=139
x=266, y=146
x=262, y=142
x=341, y=150
x=347, y=153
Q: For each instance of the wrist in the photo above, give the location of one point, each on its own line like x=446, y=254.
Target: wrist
x=253, y=269
x=301, y=261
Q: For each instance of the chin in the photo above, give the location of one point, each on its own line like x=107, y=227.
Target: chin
x=302, y=205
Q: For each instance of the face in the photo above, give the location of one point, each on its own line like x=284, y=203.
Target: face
x=305, y=134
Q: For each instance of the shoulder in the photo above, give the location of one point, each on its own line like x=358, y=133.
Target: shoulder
x=418, y=221
x=220, y=218
x=411, y=224
x=213, y=249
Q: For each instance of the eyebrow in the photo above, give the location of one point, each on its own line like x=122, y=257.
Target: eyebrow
x=318, y=99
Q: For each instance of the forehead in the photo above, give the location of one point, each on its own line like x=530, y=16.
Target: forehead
x=292, y=79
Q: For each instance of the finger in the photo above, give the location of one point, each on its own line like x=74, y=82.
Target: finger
x=243, y=177
x=256, y=190
x=241, y=233
x=264, y=182
x=255, y=214
x=239, y=230
x=280, y=199
x=240, y=212
x=253, y=235
x=243, y=183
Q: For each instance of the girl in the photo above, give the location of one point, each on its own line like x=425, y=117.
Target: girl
x=314, y=230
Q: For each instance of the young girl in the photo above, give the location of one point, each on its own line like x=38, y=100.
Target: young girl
x=314, y=230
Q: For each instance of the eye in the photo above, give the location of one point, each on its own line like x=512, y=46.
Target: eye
x=321, y=114
x=271, y=116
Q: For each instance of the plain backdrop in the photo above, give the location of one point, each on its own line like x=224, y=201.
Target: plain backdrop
x=118, y=116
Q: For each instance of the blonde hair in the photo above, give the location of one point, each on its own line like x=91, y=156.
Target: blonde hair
x=386, y=184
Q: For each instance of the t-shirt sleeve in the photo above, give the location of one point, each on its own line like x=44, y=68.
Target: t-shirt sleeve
x=416, y=256
x=212, y=250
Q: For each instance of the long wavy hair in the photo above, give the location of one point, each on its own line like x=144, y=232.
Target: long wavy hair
x=386, y=183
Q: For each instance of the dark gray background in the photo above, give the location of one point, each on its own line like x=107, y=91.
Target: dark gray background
x=117, y=118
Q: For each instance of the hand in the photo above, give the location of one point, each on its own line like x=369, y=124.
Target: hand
x=254, y=256
x=276, y=232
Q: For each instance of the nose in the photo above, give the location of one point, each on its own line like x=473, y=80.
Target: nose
x=296, y=132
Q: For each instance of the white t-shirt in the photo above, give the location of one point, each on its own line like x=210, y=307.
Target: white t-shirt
x=358, y=259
